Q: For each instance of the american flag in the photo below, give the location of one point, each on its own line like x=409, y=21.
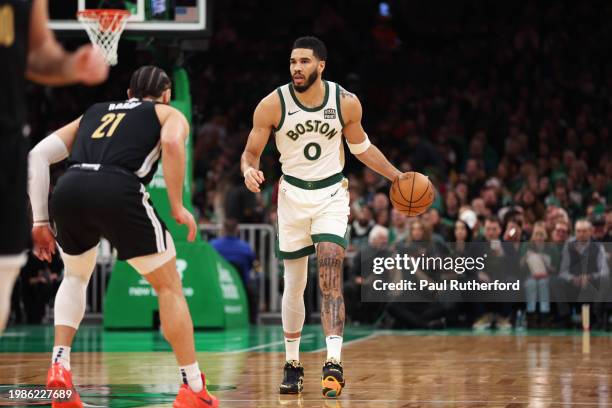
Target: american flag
x=186, y=14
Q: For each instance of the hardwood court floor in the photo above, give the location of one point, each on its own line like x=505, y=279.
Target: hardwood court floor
x=383, y=369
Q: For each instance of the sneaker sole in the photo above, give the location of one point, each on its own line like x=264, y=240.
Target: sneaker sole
x=286, y=391
x=331, y=387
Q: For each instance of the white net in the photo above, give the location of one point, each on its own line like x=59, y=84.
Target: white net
x=104, y=28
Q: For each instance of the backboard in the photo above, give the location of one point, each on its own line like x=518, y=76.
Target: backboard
x=148, y=17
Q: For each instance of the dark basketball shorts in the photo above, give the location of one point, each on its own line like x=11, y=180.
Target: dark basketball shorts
x=14, y=218
x=110, y=202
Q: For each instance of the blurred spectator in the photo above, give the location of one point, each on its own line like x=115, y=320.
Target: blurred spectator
x=358, y=311
x=39, y=283
x=361, y=227
x=433, y=309
x=489, y=314
x=240, y=254
x=399, y=230
x=539, y=261
x=560, y=232
x=583, y=271
x=598, y=221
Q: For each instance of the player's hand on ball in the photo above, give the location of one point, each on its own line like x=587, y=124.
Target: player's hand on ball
x=44, y=243
x=184, y=217
x=253, y=178
x=88, y=65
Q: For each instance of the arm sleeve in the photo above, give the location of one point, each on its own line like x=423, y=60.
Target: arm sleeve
x=50, y=150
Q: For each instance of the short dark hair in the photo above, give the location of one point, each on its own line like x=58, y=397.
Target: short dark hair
x=492, y=218
x=317, y=46
x=149, y=81
x=230, y=227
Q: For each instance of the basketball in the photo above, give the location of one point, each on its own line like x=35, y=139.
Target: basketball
x=412, y=193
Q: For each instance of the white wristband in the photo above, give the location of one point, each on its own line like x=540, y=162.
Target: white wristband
x=358, y=148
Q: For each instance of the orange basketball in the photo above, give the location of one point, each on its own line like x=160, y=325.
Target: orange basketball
x=412, y=193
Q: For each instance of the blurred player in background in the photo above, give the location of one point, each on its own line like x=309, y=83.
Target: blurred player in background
x=27, y=49
x=309, y=116
x=114, y=149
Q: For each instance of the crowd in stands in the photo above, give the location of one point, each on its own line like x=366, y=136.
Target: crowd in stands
x=507, y=107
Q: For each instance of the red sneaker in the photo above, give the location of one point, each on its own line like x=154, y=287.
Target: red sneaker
x=60, y=380
x=186, y=398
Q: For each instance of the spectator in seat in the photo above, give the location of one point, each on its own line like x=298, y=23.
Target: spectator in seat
x=538, y=260
x=583, y=273
x=240, y=254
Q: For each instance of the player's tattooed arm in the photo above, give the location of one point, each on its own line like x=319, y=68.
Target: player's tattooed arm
x=330, y=257
x=346, y=94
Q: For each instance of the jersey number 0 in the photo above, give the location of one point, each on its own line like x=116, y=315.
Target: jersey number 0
x=110, y=119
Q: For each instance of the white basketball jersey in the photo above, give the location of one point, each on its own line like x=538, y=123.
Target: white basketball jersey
x=310, y=139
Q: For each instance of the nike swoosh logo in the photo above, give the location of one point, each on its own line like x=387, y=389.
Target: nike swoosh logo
x=207, y=401
x=334, y=337
x=291, y=113
x=336, y=192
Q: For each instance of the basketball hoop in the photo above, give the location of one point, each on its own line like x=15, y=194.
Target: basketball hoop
x=104, y=27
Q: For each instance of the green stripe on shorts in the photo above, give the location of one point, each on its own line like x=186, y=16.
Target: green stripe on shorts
x=297, y=254
x=336, y=239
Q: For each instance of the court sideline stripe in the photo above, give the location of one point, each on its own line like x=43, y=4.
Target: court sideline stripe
x=261, y=346
x=350, y=342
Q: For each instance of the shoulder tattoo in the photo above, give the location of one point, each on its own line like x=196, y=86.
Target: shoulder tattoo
x=346, y=94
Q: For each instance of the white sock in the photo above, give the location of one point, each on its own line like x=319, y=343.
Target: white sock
x=61, y=354
x=292, y=349
x=334, y=347
x=192, y=376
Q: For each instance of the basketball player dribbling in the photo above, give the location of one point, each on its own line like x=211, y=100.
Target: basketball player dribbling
x=113, y=152
x=27, y=49
x=309, y=117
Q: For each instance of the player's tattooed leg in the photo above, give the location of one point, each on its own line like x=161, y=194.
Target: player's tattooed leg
x=330, y=257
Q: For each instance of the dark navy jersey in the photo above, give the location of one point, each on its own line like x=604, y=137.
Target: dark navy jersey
x=14, y=37
x=124, y=134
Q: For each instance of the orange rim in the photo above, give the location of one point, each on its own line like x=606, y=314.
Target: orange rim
x=107, y=18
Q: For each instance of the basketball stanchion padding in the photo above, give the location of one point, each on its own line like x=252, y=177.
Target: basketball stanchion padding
x=104, y=28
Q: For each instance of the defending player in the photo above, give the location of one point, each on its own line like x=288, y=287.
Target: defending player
x=309, y=116
x=114, y=149
x=27, y=47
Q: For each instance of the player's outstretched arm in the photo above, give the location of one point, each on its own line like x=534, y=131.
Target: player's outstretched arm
x=266, y=117
x=52, y=149
x=50, y=64
x=174, y=133
x=358, y=141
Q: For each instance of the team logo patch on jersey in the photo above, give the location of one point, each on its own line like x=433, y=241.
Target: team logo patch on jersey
x=329, y=113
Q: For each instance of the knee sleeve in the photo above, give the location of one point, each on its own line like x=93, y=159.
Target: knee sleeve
x=293, y=311
x=70, y=300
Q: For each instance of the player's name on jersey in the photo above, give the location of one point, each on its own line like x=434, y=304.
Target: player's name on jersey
x=312, y=126
x=123, y=105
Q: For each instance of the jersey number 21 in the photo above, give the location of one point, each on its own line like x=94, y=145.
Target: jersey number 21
x=110, y=121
